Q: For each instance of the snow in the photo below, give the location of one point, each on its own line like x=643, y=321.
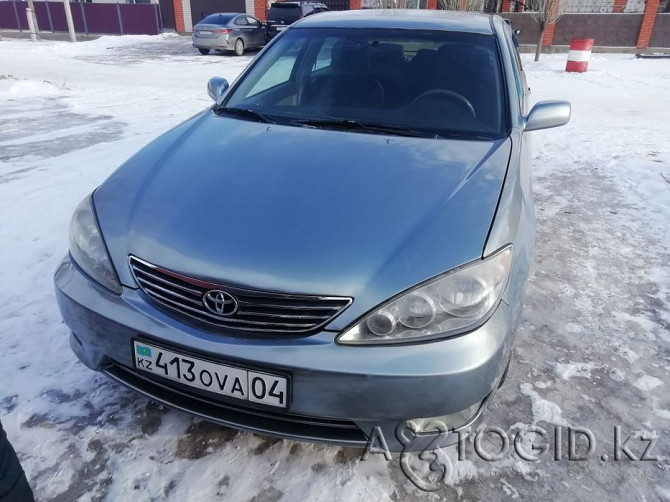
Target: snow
x=592, y=350
x=543, y=410
x=646, y=382
x=571, y=370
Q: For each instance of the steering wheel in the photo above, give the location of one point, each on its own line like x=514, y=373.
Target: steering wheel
x=450, y=95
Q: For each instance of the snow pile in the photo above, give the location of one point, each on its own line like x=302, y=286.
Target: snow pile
x=13, y=88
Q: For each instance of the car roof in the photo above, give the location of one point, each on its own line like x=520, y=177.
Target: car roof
x=297, y=2
x=421, y=19
x=226, y=14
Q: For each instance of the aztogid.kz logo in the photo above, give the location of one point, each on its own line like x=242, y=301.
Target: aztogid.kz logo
x=425, y=462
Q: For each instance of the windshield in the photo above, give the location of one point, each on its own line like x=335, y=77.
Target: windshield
x=444, y=84
x=220, y=19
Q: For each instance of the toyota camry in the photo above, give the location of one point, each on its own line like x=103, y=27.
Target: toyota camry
x=338, y=245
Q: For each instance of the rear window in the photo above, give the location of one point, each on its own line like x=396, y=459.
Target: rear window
x=287, y=12
x=220, y=19
x=285, y=6
x=444, y=83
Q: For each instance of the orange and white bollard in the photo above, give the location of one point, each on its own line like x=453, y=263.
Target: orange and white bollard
x=579, y=55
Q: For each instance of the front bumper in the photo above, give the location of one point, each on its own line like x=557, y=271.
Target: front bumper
x=339, y=393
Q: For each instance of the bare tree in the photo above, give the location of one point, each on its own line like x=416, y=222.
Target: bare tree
x=467, y=5
x=389, y=4
x=545, y=12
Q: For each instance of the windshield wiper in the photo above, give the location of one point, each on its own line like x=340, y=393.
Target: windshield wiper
x=246, y=113
x=355, y=125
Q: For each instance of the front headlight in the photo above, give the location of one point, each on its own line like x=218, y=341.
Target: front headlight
x=451, y=304
x=88, y=249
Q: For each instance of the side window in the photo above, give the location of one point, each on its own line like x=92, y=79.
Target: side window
x=252, y=21
x=325, y=55
x=241, y=21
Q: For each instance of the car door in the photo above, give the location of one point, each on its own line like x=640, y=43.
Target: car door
x=258, y=31
x=243, y=30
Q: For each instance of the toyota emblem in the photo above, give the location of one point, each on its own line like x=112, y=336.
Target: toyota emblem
x=219, y=302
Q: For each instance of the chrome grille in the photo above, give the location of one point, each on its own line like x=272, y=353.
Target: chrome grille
x=261, y=311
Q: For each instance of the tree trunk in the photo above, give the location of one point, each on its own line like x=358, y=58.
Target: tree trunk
x=538, y=50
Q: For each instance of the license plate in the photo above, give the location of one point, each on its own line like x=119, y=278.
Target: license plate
x=230, y=381
x=205, y=33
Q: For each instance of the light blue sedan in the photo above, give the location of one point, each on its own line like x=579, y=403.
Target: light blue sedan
x=338, y=247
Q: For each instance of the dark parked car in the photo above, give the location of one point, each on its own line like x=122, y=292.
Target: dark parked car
x=228, y=31
x=339, y=245
x=282, y=14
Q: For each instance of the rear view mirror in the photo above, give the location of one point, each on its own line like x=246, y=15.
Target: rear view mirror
x=517, y=32
x=216, y=87
x=548, y=114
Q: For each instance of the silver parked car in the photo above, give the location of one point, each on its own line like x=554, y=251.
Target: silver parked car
x=228, y=31
x=338, y=247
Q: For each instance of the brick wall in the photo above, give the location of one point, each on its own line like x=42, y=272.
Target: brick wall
x=608, y=30
x=260, y=9
x=179, y=16
x=650, y=13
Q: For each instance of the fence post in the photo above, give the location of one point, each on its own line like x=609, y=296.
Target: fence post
x=648, y=21
x=83, y=16
x=179, y=15
x=548, y=38
x=30, y=15
x=18, y=19
x=159, y=24
x=51, y=24
x=68, y=19
x=118, y=13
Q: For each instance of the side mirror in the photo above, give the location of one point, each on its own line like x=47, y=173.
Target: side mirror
x=548, y=114
x=216, y=87
x=517, y=32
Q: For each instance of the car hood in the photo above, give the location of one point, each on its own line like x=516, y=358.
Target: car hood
x=302, y=210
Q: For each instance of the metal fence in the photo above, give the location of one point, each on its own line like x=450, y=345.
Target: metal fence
x=99, y=18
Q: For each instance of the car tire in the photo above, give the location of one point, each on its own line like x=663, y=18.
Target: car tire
x=204, y=52
x=239, y=47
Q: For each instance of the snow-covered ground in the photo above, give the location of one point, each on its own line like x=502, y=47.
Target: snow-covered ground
x=593, y=350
